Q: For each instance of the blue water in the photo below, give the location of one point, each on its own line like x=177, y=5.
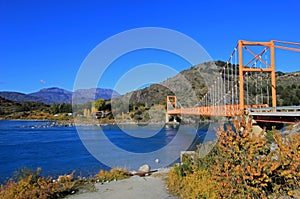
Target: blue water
x=59, y=150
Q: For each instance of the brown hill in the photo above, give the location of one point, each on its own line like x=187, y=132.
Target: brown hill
x=190, y=85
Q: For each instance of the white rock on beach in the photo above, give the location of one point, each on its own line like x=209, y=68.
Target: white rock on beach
x=145, y=168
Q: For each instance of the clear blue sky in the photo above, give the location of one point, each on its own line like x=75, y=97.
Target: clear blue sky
x=43, y=43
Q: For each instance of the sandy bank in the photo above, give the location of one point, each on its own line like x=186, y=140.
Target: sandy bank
x=135, y=188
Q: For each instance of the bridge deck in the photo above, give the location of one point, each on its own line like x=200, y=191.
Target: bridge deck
x=287, y=114
x=224, y=110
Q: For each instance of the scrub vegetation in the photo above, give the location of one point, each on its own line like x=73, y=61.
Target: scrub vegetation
x=30, y=184
x=241, y=165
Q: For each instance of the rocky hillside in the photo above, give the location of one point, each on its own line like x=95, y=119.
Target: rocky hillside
x=288, y=88
x=190, y=85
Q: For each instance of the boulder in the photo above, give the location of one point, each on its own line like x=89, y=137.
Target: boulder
x=145, y=168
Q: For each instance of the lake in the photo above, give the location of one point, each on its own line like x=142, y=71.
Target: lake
x=87, y=149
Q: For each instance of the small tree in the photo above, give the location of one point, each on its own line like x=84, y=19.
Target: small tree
x=99, y=104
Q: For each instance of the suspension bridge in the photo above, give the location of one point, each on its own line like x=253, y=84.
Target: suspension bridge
x=245, y=84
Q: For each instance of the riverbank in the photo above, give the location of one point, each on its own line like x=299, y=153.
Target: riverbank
x=71, y=123
x=117, y=183
x=135, y=187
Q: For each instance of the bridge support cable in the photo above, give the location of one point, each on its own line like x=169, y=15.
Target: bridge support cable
x=268, y=95
x=256, y=88
x=225, y=91
x=222, y=95
x=247, y=87
x=236, y=77
x=247, y=80
x=261, y=89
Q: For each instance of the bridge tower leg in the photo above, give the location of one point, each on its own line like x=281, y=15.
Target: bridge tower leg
x=167, y=117
x=171, y=104
x=241, y=77
x=243, y=69
x=272, y=55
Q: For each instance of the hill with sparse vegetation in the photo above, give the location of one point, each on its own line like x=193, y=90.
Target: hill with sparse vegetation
x=189, y=86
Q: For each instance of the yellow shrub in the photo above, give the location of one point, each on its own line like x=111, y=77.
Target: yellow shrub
x=247, y=167
x=113, y=174
x=241, y=165
x=197, y=184
x=31, y=186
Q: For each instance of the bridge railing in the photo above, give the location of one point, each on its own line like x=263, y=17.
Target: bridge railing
x=276, y=109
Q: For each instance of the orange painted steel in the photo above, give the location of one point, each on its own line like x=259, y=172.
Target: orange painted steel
x=171, y=100
x=269, y=68
x=238, y=109
x=273, y=78
x=224, y=110
x=245, y=68
x=241, y=76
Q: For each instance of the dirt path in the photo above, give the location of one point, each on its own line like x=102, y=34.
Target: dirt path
x=135, y=188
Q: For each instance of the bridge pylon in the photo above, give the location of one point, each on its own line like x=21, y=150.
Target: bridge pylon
x=244, y=68
x=243, y=84
x=171, y=104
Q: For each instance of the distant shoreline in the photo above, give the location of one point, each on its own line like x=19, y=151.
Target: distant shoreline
x=68, y=123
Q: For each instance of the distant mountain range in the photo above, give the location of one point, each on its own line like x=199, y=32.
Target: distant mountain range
x=59, y=96
x=198, y=78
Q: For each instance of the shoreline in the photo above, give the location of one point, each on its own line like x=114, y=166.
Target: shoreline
x=135, y=187
x=68, y=123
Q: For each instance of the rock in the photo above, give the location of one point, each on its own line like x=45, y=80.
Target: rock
x=256, y=130
x=145, y=168
x=157, y=161
x=294, y=129
x=133, y=173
